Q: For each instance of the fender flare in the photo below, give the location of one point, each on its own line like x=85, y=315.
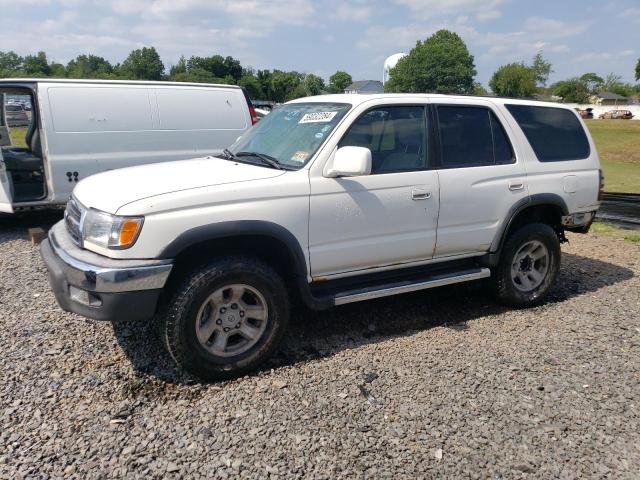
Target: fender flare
x=514, y=211
x=215, y=231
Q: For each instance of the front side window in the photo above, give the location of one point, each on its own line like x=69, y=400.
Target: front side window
x=395, y=135
x=555, y=134
x=291, y=134
x=471, y=137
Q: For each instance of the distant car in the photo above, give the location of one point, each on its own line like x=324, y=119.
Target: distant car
x=16, y=115
x=617, y=115
x=261, y=113
x=586, y=113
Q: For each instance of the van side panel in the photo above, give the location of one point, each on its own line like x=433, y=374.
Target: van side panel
x=211, y=118
x=92, y=127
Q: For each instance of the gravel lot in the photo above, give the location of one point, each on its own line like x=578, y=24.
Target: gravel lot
x=442, y=383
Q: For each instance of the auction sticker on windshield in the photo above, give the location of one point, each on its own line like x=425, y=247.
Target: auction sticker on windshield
x=300, y=156
x=318, y=117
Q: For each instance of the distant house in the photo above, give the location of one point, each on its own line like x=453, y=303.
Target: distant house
x=365, y=86
x=609, y=98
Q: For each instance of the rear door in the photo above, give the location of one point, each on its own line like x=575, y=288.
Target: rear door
x=480, y=174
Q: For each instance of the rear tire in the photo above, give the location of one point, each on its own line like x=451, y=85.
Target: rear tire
x=529, y=266
x=226, y=318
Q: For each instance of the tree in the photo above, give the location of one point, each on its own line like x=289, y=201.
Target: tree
x=541, y=68
x=440, y=64
x=478, y=89
x=610, y=82
x=179, y=68
x=143, y=64
x=638, y=70
x=10, y=63
x=283, y=84
x=253, y=86
x=593, y=82
x=89, y=66
x=313, y=84
x=573, y=90
x=514, y=80
x=36, y=65
x=339, y=81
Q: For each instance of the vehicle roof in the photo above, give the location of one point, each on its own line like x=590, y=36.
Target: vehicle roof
x=357, y=98
x=111, y=82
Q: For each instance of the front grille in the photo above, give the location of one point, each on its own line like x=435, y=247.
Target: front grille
x=73, y=217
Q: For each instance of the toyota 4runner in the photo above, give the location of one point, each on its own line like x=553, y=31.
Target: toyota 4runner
x=331, y=199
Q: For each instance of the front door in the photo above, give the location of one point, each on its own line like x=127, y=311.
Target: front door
x=386, y=218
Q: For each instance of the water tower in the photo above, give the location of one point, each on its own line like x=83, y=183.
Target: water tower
x=389, y=63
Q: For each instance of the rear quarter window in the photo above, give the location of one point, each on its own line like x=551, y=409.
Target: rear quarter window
x=555, y=134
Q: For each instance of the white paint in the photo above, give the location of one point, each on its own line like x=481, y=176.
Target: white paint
x=94, y=126
x=351, y=224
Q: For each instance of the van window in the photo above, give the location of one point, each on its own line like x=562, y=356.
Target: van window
x=202, y=109
x=472, y=136
x=395, y=136
x=555, y=134
x=100, y=109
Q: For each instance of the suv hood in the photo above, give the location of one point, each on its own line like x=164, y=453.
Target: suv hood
x=111, y=190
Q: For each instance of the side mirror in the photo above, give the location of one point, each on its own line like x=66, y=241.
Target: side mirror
x=350, y=162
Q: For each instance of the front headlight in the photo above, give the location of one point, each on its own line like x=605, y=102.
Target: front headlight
x=111, y=231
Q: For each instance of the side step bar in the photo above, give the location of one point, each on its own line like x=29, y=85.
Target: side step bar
x=406, y=287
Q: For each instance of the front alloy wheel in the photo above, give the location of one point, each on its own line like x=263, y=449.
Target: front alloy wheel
x=226, y=318
x=231, y=320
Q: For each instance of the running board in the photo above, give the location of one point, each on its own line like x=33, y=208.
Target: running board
x=405, y=287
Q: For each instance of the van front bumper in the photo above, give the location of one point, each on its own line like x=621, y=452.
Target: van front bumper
x=98, y=287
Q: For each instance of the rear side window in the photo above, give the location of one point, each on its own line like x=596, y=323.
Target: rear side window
x=555, y=134
x=472, y=137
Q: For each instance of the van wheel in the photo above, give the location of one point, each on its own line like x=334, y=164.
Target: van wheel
x=226, y=318
x=528, y=267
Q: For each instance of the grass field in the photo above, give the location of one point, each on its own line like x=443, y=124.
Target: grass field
x=617, y=141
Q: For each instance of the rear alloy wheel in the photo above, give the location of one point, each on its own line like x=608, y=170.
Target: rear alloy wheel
x=225, y=318
x=528, y=267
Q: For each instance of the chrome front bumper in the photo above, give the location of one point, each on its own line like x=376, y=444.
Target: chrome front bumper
x=99, y=287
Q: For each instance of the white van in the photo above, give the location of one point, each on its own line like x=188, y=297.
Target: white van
x=78, y=128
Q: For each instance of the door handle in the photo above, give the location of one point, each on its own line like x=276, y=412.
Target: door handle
x=420, y=194
x=516, y=186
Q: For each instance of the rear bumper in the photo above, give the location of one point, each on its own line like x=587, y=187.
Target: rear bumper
x=100, y=288
x=579, y=222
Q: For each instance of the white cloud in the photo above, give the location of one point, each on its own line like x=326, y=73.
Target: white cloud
x=550, y=28
x=488, y=15
x=438, y=8
x=356, y=13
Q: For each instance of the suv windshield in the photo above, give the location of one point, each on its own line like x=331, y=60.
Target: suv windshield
x=292, y=133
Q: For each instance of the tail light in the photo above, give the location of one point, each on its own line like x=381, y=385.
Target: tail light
x=254, y=117
x=601, y=186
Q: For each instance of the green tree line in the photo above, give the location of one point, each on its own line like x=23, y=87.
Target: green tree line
x=439, y=64
x=145, y=64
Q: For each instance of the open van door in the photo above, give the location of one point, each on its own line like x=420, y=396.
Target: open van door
x=5, y=188
x=5, y=185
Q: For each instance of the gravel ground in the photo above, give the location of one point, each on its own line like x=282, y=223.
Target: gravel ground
x=442, y=383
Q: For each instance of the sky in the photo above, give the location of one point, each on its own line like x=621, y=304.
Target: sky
x=323, y=36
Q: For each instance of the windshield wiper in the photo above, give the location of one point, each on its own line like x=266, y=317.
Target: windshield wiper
x=268, y=159
x=228, y=155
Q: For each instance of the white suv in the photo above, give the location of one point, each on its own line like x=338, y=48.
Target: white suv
x=331, y=199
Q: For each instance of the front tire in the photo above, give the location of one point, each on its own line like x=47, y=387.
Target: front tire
x=528, y=267
x=226, y=318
